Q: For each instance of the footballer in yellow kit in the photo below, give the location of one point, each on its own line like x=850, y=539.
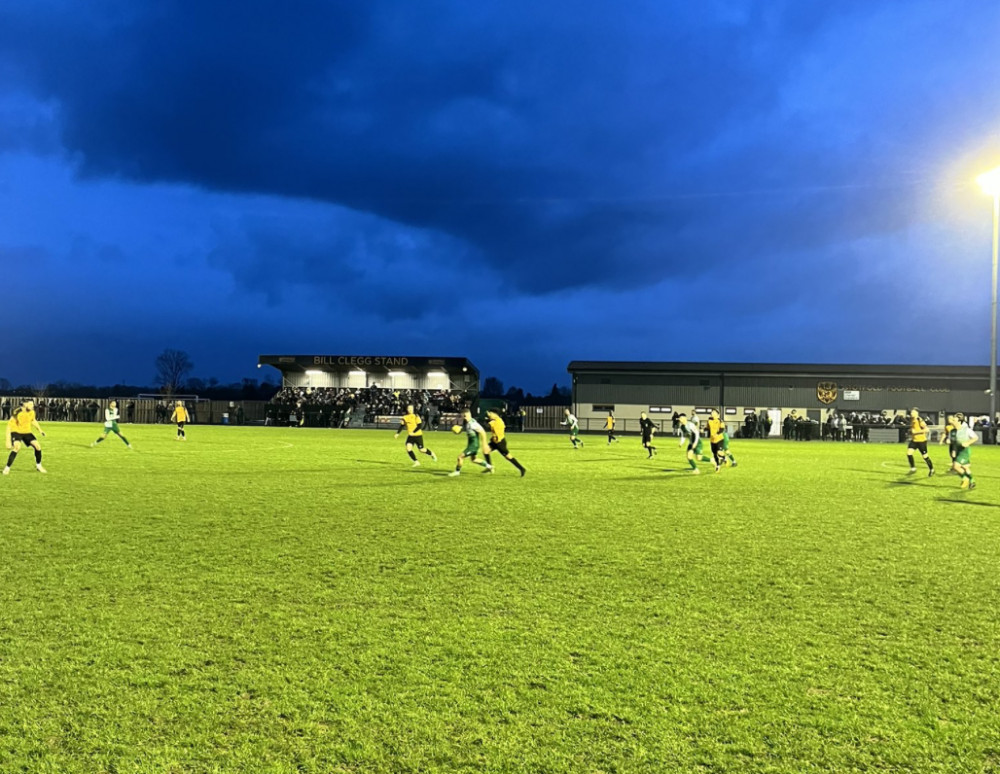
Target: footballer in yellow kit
x=918, y=442
x=414, y=435
x=498, y=439
x=609, y=425
x=716, y=437
x=19, y=432
x=180, y=416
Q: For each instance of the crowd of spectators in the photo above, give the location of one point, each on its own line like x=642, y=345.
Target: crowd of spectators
x=339, y=406
x=57, y=409
x=91, y=410
x=757, y=425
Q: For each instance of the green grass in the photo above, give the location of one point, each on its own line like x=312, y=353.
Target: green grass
x=273, y=600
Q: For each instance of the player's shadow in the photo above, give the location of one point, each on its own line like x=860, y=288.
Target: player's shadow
x=672, y=474
x=967, y=502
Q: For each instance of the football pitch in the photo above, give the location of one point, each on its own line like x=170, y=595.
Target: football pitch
x=297, y=600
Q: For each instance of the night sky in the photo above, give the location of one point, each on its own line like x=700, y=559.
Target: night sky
x=519, y=183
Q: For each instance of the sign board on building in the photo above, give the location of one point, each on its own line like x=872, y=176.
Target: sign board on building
x=852, y=394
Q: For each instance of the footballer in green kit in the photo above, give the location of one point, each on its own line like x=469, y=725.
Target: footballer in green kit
x=964, y=438
x=111, y=417
x=574, y=429
x=692, y=436
x=475, y=441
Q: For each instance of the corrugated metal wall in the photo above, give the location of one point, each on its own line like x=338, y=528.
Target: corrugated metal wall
x=648, y=389
x=777, y=391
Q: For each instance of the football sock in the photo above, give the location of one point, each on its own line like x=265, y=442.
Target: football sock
x=38, y=456
x=428, y=452
x=10, y=458
x=516, y=464
x=930, y=465
x=124, y=439
x=691, y=463
x=909, y=461
x=487, y=457
x=99, y=439
x=412, y=455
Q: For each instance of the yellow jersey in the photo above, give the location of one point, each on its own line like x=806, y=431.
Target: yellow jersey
x=716, y=427
x=918, y=430
x=609, y=423
x=412, y=423
x=180, y=415
x=497, y=428
x=20, y=421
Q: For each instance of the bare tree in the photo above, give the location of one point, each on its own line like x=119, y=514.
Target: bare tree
x=172, y=365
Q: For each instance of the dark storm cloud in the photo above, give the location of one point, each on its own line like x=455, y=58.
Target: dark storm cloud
x=550, y=140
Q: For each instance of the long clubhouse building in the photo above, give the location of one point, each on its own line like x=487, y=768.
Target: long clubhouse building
x=741, y=388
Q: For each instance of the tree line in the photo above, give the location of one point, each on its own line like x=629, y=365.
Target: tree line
x=172, y=376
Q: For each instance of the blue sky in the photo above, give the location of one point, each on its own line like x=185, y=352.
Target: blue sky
x=519, y=183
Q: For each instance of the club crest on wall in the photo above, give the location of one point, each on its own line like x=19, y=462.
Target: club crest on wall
x=826, y=392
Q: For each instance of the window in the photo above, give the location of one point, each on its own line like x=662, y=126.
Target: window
x=703, y=411
x=730, y=411
x=602, y=408
x=661, y=409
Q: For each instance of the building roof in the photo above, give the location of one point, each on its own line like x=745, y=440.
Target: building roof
x=377, y=364
x=784, y=369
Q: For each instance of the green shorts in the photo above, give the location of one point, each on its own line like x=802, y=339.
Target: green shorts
x=963, y=456
x=472, y=449
x=112, y=428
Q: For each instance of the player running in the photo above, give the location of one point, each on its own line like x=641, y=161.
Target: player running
x=609, y=425
x=948, y=437
x=414, y=435
x=19, y=432
x=647, y=428
x=475, y=440
x=180, y=416
x=498, y=439
x=574, y=429
x=964, y=438
x=690, y=434
x=111, y=417
x=918, y=441
x=716, y=435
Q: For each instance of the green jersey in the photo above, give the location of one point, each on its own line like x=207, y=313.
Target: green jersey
x=472, y=430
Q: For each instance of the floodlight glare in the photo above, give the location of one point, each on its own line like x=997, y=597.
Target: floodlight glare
x=990, y=182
